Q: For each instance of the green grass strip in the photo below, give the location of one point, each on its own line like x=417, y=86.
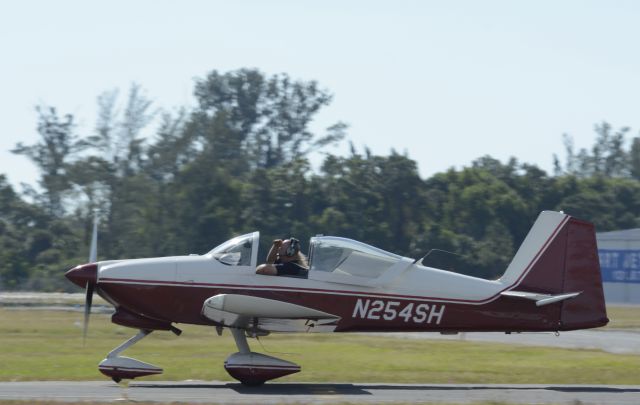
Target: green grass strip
x=47, y=345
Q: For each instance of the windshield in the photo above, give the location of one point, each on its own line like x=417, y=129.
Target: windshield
x=235, y=252
x=343, y=256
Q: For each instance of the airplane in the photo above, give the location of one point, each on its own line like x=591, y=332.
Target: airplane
x=552, y=284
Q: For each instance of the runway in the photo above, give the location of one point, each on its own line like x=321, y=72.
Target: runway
x=325, y=393
x=609, y=340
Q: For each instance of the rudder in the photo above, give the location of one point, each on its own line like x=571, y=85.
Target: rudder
x=582, y=273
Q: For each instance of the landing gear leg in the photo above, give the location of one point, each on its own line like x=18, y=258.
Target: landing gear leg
x=253, y=369
x=119, y=368
x=127, y=344
x=241, y=341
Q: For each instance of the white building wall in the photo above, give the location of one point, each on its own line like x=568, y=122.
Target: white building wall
x=621, y=293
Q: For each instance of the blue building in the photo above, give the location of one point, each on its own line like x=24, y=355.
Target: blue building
x=619, y=253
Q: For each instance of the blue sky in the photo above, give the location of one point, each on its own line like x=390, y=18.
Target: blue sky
x=445, y=81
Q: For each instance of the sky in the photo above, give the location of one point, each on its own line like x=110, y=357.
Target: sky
x=444, y=81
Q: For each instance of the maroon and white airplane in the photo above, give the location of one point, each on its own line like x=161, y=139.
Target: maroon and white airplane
x=552, y=284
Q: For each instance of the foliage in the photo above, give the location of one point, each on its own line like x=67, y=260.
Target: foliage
x=607, y=157
x=238, y=162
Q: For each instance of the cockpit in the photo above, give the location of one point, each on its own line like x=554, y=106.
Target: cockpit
x=331, y=258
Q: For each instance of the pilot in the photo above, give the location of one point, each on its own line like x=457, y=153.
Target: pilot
x=285, y=259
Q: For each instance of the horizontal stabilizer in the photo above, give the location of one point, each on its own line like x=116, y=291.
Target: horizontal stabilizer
x=540, y=299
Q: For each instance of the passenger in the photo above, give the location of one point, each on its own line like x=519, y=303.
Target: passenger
x=285, y=259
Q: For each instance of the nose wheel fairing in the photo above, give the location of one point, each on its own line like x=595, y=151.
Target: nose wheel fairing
x=119, y=367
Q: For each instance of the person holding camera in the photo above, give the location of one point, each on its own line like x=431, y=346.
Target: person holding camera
x=285, y=259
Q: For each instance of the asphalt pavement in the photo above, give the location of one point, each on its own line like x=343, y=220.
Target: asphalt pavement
x=609, y=340
x=326, y=393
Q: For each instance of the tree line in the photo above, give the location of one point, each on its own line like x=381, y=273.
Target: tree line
x=239, y=161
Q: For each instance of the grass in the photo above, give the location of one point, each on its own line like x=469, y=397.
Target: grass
x=47, y=345
x=623, y=317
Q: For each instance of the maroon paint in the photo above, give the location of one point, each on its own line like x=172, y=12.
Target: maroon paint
x=545, y=275
x=250, y=374
x=504, y=314
x=129, y=319
x=83, y=274
x=582, y=273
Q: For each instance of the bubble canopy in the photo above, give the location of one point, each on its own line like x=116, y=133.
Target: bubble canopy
x=347, y=257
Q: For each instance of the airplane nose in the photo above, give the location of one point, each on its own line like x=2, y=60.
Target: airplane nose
x=83, y=274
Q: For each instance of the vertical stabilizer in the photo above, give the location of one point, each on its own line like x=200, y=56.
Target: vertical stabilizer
x=538, y=241
x=559, y=257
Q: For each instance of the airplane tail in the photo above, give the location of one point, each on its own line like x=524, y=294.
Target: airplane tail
x=558, y=263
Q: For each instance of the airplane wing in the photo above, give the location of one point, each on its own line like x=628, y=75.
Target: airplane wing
x=256, y=313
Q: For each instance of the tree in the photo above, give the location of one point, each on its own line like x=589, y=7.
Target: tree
x=108, y=176
x=266, y=118
x=52, y=155
x=634, y=159
x=607, y=158
x=118, y=134
x=33, y=244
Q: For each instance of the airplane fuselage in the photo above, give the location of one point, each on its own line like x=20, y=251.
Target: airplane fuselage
x=359, y=311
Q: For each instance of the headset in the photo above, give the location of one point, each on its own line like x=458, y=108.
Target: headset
x=293, y=248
